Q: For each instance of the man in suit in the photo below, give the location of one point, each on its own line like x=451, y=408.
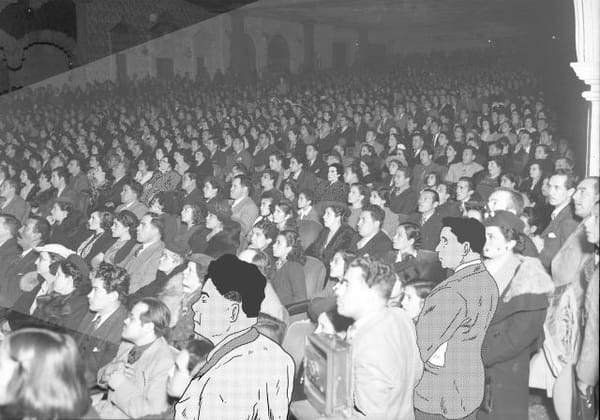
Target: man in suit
x=136, y=379
x=466, y=168
x=78, y=179
x=100, y=330
x=576, y=250
x=372, y=240
x=403, y=199
x=428, y=219
x=9, y=247
x=130, y=199
x=142, y=262
x=383, y=341
x=306, y=210
x=346, y=133
x=120, y=173
x=34, y=232
x=524, y=152
x=314, y=162
x=13, y=204
x=60, y=180
x=226, y=314
x=305, y=179
x=452, y=325
x=560, y=192
x=189, y=185
x=243, y=209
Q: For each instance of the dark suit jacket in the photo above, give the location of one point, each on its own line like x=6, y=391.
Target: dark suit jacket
x=377, y=247
x=430, y=231
x=8, y=250
x=318, y=168
x=9, y=279
x=113, y=196
x=405, y=202
x=195, y=197
x=341, y=241
x=306, y=180
x=18, y=208
x=556, y=234
x=101, y=245
x=98, y=347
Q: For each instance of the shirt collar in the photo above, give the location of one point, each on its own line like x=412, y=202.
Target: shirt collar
x=558, y=210
x=467, y=264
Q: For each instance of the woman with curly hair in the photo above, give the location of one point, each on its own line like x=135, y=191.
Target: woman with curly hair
x=165, y=179
x=193, y=221
x=289, y=281
x=336, y=189
x=68, y=225
x=224, y=234
x=100, y=223
x=357, y=197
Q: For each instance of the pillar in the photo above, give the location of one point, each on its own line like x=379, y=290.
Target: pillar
x=587, y=69
x=82, y=53
x=237, y=42
x=309, y=46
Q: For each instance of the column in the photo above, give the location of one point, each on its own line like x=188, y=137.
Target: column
x=237, y=43
x=587, y=69
x=82, y=53
x=309, y=46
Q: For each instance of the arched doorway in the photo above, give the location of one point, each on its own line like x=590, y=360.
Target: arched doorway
x=278, y=55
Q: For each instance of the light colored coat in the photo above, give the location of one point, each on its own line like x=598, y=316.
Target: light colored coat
x=142, y=269
x=146, y=392
x=252, y=381
x=386, y=365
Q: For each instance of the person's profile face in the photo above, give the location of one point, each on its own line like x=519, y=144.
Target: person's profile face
x=213, y=314
x=350, y=292
x=450, y=251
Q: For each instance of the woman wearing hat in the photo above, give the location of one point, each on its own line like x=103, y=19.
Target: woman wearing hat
x=516, y=328
x=224, y=235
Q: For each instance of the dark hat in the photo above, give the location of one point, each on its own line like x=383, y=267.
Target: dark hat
x=220, y=209
x=201, y=259
x=81, y=265
x=504, y=218
x=177, y=248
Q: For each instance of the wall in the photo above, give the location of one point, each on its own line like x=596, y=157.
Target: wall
x=40, y=61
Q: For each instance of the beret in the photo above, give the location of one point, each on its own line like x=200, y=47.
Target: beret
x=504, y=218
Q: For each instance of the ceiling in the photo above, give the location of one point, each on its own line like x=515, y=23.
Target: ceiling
x=434, y=15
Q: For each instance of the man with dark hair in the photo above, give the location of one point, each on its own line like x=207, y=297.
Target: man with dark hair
x=130, y=199
x=34, y=232
x=247, y=375
x=100, y=330
x=372, y=240
x=143, y=260
x=561, y=188
x=79, y=181
x=306, y=210
x=243, y=209
x=60, y=180
x=137, y=377
x=189, y=185
x=383, y=342
x=267, y=183
x=120, y=173
x=314, y=163
x=12, y=202
x=425, y=167
x=452, y=325
x=428, y=219
x=305, y=179
x=466, y=168
x=403, y=199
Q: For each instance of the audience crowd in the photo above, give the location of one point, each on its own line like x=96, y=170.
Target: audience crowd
x=369, y=200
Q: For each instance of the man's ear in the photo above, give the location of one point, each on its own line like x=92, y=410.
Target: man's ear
x=466, y=248
x=235, y=311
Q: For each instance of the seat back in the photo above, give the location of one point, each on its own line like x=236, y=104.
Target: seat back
x=309, y=232
x=314, y=274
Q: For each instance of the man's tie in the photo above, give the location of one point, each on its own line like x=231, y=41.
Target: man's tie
x=96, y=322
x=133, y=355
x=138, y=251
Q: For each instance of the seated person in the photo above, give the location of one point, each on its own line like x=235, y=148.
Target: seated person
x=386, y=360
x=413, y=296
x=136, y=379
x=100, y=330
x=264, y=234
x=289, y=281
x=101, y=238
x=123, y=230
x=372, y=240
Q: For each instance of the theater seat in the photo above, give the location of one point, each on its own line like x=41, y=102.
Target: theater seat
x=314, y=274
x=309, y=231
